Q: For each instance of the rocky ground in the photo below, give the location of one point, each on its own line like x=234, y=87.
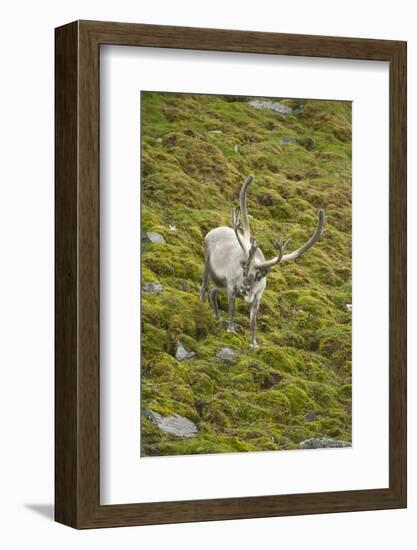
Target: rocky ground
x=204, y=390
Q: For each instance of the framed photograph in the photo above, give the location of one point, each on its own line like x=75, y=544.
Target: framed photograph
x=230, y=274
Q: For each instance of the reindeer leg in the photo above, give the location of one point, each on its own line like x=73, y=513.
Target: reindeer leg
x=253, y=313
x=213, y=301
x=232, y=326
x=206, y=277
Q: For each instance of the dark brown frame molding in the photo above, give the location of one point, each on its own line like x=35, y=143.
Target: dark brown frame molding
x=77, y=404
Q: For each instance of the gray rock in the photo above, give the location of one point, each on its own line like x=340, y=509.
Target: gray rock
x=272, y=105
x=174, y=424
x=316, y=443
x=309, y=416
x=152, y=287
x=289, y=140
x=181, y=354
x=227, y=355
x=151, y=237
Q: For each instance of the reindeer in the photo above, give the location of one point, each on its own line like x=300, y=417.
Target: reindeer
x=236, y=266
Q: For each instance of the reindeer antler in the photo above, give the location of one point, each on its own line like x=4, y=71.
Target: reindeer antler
x=297, y=253
x=313, y=239
x=252, y=251
x=237, y=226
x=281, y=246
x=249, y=254
x=243, y=207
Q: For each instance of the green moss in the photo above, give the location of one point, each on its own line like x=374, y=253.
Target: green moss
x=275, y=401
x=196, y=152
x=300, y=401
x=345, y=392
x=153, y=339
x=335, y=342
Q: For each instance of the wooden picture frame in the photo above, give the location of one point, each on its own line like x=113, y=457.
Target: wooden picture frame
x=77, y=382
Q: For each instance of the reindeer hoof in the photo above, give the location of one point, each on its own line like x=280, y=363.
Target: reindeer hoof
x=254, y=345
x=233, y=327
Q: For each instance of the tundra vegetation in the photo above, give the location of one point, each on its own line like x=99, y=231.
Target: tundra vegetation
x=196, y=151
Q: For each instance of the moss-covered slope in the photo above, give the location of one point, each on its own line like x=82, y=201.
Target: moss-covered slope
x=196, y=151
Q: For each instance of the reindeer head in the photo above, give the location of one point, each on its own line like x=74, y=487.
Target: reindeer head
x=252, y=272
x=252, y=277
x=254, y=267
